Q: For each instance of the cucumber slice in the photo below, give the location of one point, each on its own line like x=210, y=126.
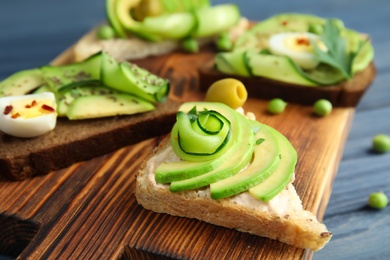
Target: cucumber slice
x=230, y=114
x=237, y=60
x=70, y=76
x=130, y=78
x=234, y=160
x=215, y=19
x=202, y=138
x=279, y=68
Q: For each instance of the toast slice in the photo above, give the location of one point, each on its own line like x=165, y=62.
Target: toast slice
x=134, y=48
x=79, y=140
x=282, y=218
x=345, y=94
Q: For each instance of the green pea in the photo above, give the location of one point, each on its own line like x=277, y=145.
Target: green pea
x=105, y=32
x=276, y=106
x=381, y=143
x=378, y=200
x=190, y=45
x=224, y=43
x=322, y=107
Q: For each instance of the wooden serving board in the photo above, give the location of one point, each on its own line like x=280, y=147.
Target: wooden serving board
x=89, y=210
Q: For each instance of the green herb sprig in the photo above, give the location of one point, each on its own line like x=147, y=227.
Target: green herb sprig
x=335, y=54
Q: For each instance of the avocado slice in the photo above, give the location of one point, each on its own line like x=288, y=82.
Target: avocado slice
x=95, y=106
x=66, y=97
x=172, y=25
x=113, y=20
x=266, y=158
x=281, y=176
x=21, y=82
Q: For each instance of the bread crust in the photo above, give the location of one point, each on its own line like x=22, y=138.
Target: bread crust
x=345, y=94
x=293, y=225
x=80, y=140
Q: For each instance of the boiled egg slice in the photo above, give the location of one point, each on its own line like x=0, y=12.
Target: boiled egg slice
x=28, y=115
x=298, y=46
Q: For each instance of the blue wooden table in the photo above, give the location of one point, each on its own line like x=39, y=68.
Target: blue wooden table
x=35, y=32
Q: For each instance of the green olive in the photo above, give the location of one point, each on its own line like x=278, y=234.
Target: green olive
x=378, y=200
x=322, y=107
x=276, y=106
x=229, y=91
x=105, y=32
x=381, y=143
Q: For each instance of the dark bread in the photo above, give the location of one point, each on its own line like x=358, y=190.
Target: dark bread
x=345, y=94
x=75, y=141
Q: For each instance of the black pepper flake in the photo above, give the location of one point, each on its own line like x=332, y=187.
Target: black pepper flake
x=326, y=234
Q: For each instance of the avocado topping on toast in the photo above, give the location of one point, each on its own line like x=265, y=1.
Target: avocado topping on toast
x=239, y=155
x=299, y=49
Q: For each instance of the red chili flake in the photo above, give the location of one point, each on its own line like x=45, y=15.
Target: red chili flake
x=48, y=108
x=284, y=23
x=33, y=103
x=15, y=115
x=303, y=41
x=8, y=109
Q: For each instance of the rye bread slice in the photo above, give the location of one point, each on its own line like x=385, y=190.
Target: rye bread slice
x=345, y=94
x=80, y=140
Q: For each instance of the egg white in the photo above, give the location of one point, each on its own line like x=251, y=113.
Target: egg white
x=287, y=44
x=28, y=127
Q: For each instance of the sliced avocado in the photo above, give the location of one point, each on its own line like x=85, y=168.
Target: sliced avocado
x=157, y=27
x=113, y=20
x=96, y=106
x=123, y=14
x=147, y=8
x=65, y=98
x=266, y=158
x=281, y=176
x=41, y=89
x=21, y=82
x=279, y=68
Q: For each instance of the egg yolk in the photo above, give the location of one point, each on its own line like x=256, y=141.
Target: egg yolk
x=29, y=108
x=302, y=44
x=298, y=44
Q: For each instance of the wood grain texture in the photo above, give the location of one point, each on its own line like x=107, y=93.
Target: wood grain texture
x=89, y=210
